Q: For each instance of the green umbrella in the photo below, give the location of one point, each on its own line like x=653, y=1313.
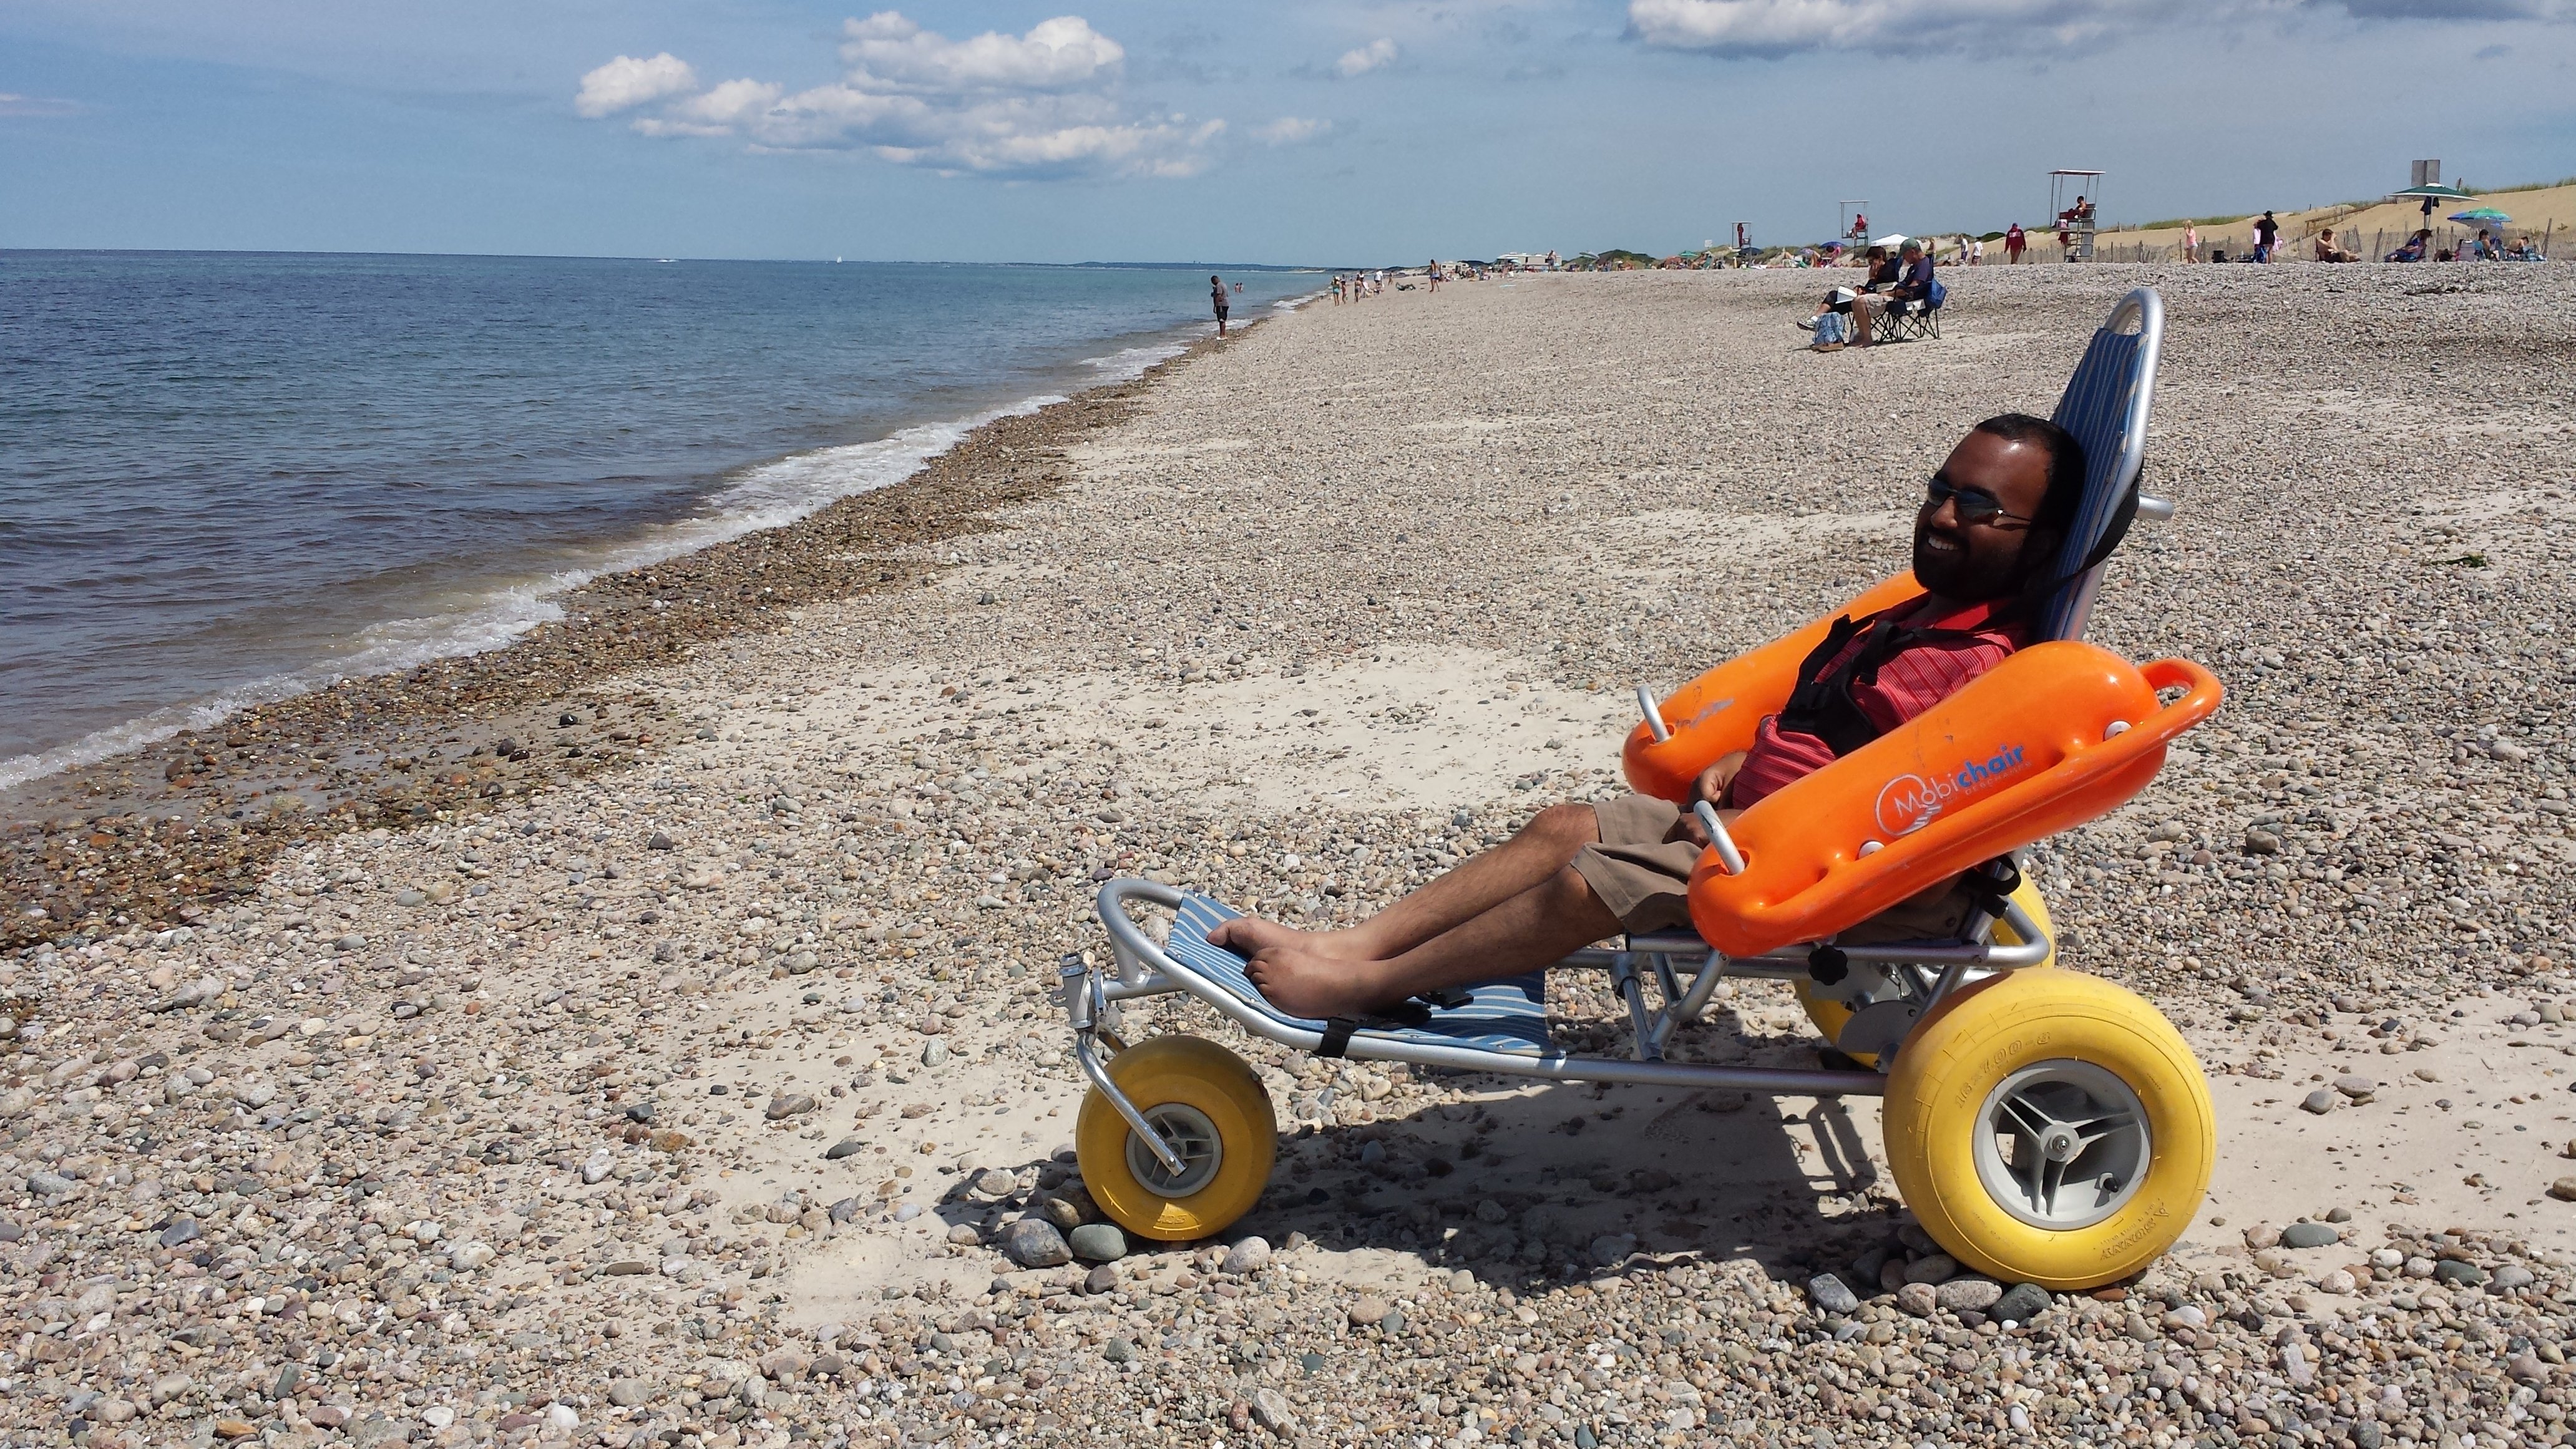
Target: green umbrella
x=2486, y=216
x=2433, y=192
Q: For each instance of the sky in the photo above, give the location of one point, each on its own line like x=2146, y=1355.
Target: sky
x=1326, y=132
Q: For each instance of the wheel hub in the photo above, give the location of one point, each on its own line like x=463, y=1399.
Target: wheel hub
x=2062, y=1144
x=1191, y=1136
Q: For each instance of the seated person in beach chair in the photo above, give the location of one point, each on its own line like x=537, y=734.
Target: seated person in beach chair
x=1989, y=526
x=2413, y=251
x=2327, y=251
x=1914, y=300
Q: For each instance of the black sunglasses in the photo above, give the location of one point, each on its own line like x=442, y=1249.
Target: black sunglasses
x=1975, y=505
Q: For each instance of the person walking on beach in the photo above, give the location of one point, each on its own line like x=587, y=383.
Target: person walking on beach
x=2014, y=241
x=2266, y=233
x=1431, y=270
x=1222, y=298
x=2190, y=242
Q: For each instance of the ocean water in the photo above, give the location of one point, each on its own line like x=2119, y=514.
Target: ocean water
x=229, y=477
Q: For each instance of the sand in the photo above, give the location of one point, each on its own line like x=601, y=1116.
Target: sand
x=1333, y=605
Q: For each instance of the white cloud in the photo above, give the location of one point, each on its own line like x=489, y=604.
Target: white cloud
x=1778, y=27
x=1043, y=103
x=1290, y=130
x=627, y=82
x=1056, y=55
x=1372, y=56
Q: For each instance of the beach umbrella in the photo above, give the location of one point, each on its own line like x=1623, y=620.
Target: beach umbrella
x=1891, y=241
x=2486, y=216
x=2433, y=192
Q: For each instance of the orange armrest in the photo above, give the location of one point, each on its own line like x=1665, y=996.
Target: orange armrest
x=2057, y=734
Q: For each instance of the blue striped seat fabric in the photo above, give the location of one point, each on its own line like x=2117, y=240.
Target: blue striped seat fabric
x=1504, y=1016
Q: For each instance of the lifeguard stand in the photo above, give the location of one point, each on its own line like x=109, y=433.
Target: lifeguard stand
x=1854, y=223
x=2074, y=200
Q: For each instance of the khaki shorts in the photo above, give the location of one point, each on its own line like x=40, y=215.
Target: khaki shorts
x=1642, y=873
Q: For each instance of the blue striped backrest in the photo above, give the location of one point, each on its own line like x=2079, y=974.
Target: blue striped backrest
x=2105, y=407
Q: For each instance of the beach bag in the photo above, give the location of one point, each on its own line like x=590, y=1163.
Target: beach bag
x=1829, y=328
x=1939, y=293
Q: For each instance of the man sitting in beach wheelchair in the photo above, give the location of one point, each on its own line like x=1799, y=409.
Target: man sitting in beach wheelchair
x=1839, y=810
x=1984, y=537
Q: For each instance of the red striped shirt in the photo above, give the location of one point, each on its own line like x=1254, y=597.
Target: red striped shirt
x=1910, y=682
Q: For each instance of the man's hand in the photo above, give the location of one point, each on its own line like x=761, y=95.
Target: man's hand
x=1688, y=827
x=1712, y=782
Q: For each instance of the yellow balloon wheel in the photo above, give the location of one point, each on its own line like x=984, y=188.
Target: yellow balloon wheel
x=2050, y=1127
x=1830, y=1015
x=1208, y=1099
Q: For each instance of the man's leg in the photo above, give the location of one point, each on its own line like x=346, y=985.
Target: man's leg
x=1532, y=929
x=1539, y=851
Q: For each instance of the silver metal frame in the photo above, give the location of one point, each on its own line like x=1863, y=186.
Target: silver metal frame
x=1685, y=970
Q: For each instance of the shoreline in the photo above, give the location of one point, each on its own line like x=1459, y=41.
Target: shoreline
x=208, y=806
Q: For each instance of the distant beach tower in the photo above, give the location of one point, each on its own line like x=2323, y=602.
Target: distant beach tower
x=1854, y=223
x=2074, y=200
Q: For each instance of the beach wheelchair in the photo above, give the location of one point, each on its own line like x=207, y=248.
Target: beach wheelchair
x=2044, y=1126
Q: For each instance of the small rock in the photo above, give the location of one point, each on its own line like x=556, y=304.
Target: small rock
x=1831, y=1295
x=1935, y=1269
x=964, y=1234
x=438, y=1416
x=846, y=1147
x=1103, y=1279
x=2020, y=1303
x=327, y=1416
x=1034, y=1243
x=994, y=1183
x=1919, y=1299
x=1247, y=1257
x=1097, y=1242
x=782, y=1107
x=659, y=841
x=1270, y=1408
x=45, y=1182
x=2320, y=1101
x=595, y=1167
x=2510, y=1277
x=2526, y=1367
x=934, y=1052
x=2564, y=1189
x=627, y=1393
x=1118, y=1350
x=630, y=1268
x=1369, y=1309
x=1612, y=1249
x=2259, y=841
x=185, y=1230
x=1969, y=1294
x=2309, y=1235
x=560, y=1415
x=2357, y=1088
x=2467, y=1275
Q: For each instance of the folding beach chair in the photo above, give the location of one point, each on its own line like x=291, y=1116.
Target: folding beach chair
x=1910, y=321
x=2044, y=1126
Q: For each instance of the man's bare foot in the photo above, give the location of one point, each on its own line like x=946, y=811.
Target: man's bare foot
x=1308, y=983
x=1249, y=936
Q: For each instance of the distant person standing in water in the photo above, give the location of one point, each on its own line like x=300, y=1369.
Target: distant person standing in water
x=1222, y=298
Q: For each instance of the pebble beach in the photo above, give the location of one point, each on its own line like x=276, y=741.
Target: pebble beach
x=647, y=1034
